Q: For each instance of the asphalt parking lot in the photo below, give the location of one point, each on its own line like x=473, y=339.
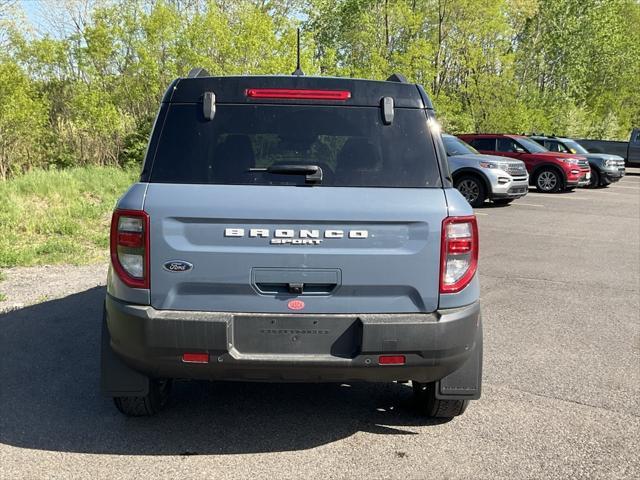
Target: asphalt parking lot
x=560, y=280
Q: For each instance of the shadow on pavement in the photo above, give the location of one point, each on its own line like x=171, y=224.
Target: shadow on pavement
x=50, y=399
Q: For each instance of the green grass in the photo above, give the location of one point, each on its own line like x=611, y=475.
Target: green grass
x=3, y=296
x=59, y=216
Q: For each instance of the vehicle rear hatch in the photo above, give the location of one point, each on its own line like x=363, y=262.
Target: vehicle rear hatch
x=364, y=239
x=395, y=268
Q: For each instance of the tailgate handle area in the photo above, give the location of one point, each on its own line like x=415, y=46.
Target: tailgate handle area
x=296, y=288
x=278, y=281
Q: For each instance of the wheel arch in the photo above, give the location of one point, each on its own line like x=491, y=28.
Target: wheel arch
x=475, y=172
x=549, y=166
x=595, y=165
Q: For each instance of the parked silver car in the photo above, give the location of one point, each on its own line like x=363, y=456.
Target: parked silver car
x=480, y=177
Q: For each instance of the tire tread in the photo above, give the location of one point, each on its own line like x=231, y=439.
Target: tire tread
x=147, y=405
x=434, y=407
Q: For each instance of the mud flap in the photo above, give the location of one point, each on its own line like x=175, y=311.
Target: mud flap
x=117, y=379
x=465, y=383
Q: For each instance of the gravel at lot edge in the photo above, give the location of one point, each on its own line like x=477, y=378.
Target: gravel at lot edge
x=24, y=286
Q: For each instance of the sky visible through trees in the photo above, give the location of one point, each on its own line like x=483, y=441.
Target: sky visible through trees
x=82, y=78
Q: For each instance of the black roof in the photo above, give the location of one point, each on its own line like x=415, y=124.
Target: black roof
x=233, y=90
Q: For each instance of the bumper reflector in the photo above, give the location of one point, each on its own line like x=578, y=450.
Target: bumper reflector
x=195, y=357
x=391, y=360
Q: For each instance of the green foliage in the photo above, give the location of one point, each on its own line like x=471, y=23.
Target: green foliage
x=563, y=66
x=59, y=216
x=22, y=119
x=88, y=95
x=578, y=59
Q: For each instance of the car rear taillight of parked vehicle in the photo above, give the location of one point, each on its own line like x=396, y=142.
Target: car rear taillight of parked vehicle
x=459, y=256
x=130, y=247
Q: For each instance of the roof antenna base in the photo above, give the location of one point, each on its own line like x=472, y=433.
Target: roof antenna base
x=298, y=71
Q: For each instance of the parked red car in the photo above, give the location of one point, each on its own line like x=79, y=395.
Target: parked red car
x=548, y=171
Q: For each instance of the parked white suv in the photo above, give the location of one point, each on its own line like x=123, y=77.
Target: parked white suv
x=480, y=177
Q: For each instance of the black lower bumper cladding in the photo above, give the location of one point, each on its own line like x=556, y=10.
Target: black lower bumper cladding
x=445, y=345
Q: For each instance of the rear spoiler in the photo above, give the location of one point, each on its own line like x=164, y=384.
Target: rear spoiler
x=234, y=90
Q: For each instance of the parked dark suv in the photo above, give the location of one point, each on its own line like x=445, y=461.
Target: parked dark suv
x=629, y=151
x=293, y=229
x=605, y=168
x=548, y=171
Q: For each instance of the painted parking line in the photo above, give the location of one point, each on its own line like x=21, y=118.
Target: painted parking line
x=480, y=213
x=611, y=193
x=557, y=197
x=528, y=205
x=622, y=186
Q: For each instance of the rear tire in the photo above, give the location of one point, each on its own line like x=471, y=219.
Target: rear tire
x=503, y=201
x=147, y=405
x=425, y=395
x=548, y=180
x=472, y=189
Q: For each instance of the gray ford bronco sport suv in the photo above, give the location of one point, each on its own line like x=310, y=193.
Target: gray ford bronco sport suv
x=293, y=229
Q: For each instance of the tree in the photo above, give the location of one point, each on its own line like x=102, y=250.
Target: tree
x=86, y=90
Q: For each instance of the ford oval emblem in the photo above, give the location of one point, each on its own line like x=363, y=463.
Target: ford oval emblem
x=295, y=305
x=177, y=266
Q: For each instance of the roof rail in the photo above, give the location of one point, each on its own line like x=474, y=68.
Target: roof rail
x=397, y=77
x=198, y=72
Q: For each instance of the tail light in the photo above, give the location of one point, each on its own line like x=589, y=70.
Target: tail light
x=459, y=254
x=130, y=247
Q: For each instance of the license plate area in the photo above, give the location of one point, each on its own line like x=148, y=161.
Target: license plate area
x=302, y=335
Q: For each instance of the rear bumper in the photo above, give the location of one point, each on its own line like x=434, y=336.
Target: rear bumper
x=305, y=348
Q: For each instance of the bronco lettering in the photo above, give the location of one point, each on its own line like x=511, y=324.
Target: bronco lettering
x=292, y=237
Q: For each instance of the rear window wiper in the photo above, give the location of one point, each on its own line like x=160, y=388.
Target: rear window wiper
x=313, y=173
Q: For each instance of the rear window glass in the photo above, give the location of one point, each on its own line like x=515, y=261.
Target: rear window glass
x=555, y=147
x=508, y=145
x=484, y=143
x=531, y=146
x=455, y=146
x=350, y=144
